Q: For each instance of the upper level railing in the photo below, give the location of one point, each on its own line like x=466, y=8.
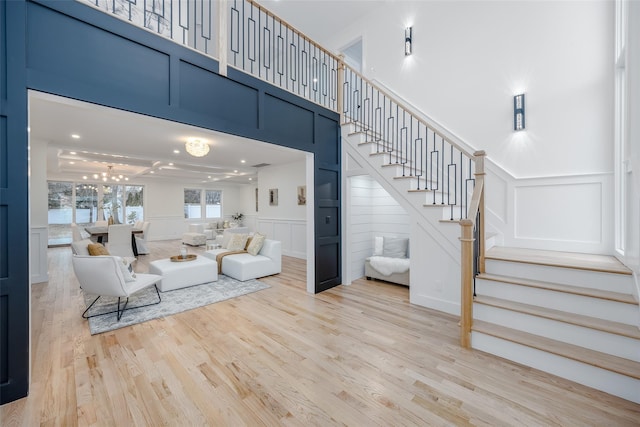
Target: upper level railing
x=266, y=47
x=191, y=23
x=252, y=39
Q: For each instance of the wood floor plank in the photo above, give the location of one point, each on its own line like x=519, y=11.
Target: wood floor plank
x=353, y=355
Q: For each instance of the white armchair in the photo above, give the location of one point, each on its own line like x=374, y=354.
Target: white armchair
x=103, y=276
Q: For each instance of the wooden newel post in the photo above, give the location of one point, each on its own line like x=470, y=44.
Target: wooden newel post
x=480, y=173
x=466, y=301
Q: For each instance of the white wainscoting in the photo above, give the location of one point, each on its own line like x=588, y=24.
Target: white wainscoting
x=291, y=232
x=38, y=249
x=166, y=227
x=566, y=213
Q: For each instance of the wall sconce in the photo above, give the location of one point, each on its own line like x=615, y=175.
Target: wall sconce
x=407, y=41
x=518, y=112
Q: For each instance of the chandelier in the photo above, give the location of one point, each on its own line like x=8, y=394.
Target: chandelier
x=110, y=175
x=196, y=147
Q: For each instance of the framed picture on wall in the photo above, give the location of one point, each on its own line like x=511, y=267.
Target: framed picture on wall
x=302, y=195
x=273, y=197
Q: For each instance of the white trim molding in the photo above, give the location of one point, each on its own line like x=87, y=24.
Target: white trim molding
x=38, y=250
x=291, y=232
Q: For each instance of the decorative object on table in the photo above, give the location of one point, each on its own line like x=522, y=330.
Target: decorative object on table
x=183, y=251
x=183, y=258
x=237, y=218
x=273, y=197
x=173, y=302
x=225, y=224
x=302, y=195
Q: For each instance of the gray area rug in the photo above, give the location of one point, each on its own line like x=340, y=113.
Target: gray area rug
x=173, y=302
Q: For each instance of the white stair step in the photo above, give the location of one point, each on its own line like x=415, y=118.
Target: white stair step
x=606, y=305
x=567, y=276
x=601, y=335
x=612, y=375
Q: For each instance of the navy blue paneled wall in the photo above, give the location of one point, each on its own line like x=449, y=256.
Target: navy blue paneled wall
x=70, y=49
x=14, y=202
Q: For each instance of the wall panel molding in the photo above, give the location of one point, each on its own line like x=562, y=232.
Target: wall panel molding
x=291, y=232
x=38, y=249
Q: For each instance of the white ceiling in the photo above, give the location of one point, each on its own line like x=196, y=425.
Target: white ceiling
x=140, y=146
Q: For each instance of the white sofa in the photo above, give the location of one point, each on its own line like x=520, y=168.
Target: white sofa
x=245, y=266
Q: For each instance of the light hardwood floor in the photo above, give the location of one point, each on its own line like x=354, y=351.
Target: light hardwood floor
x=357, y=355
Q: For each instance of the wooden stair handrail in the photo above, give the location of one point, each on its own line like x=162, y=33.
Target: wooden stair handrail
x=466, y=251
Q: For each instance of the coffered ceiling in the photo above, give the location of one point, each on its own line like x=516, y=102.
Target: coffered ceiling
x=140, y=146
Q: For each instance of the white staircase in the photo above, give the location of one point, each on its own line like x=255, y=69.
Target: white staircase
x=571, y=315
x=567, y=314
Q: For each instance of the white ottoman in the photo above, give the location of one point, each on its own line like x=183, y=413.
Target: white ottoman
x=194, y=239
x=176, y=275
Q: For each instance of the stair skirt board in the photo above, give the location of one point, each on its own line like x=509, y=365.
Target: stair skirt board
x=578, y=304
x=601, y=341
x=582, y=373
x=566, y=276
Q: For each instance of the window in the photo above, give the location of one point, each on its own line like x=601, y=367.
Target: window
x=202, y=203
x=85, y=204
x=192, y=208
x=134, y=203
x=213, y=200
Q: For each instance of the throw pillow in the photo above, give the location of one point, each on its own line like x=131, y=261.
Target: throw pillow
x=226, y=236
x=377, y=245
x=81, y=247
x=256, y=244
x=126, y=269
x=237, y=242
x=395, y=247
x=96, y=249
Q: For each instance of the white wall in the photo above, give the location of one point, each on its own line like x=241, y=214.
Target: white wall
x=372, y=212
x=632, y=235
x=471, y=57
x=164, y=205
x=287, y=221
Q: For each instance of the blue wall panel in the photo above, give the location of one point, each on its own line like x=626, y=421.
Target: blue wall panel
x=288, y=120
x=70, y=49
x=205, y=92
x=99, y=61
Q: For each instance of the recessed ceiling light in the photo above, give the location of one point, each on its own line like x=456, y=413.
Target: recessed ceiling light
x=95, y=176
x=243, y=161
x=235, y=171
x=176, y=151
x=152, y=172
x=209, y=177
x=73, y=153
x=250, y=179
x=72, y=163
x=84, y=177
x=75, y=136
x=170, y=164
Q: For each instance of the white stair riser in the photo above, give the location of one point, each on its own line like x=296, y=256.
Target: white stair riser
x=591, y=376
x=567, y=276
x=587, y=306
x=603, y=342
